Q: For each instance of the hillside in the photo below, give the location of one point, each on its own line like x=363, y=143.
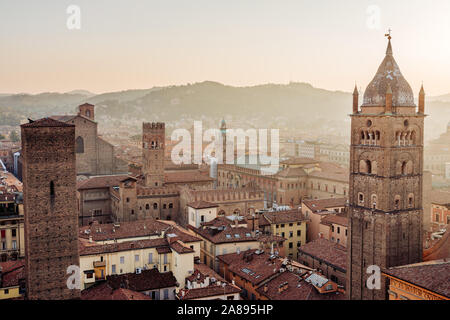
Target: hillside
x=300, y=103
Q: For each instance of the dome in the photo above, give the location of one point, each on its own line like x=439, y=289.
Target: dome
x=389, y=74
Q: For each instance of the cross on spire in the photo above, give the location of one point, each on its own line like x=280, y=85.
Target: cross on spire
x=388, y=35
x=389, y=48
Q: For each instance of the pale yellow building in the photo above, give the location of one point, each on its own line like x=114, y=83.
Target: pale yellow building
x=110, y=249
x=290, y=225
x=12, y=243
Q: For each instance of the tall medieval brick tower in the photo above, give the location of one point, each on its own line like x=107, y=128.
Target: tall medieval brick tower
x=51, y=217
x=386, y=164
x=153, y=144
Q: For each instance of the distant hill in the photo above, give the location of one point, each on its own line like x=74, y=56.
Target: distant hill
x=300, y=103
x=82, y=92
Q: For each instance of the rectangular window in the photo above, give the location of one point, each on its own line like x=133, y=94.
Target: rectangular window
x=150, y=257
x=299, y=233
x=13, y=232
x=122, y=260
x=290, y=245
x=165, y=258
x=113, y=269
x=136, y=258
x=166, y=294
x=291, y=234
x=14, y=244
x=339, y=230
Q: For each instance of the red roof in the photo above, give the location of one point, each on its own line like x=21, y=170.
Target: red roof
x=327, y=251
x=325, y=204
x=46, y=122
x=11, y=273
x=201, y=204
x=104, y=291
x=432, y=275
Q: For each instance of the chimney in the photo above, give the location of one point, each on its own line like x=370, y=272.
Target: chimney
x=388, y=99
x=266, y=287
x=90, y=239
x=422, y=100
x=355, y=100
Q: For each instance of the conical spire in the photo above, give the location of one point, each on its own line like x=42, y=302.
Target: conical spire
x=389, y=48
x=355, y=92
x=422, y=91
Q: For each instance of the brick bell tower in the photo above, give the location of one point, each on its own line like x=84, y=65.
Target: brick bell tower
x=153, y=146
x=50, y=205
x=386, y=165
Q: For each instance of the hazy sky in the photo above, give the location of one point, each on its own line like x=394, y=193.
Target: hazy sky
x=144, y=43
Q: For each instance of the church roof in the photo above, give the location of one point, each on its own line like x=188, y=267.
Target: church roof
x=46, y=122
x=389, y=75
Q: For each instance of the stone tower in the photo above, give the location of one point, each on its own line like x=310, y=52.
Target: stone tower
x=386, y=165
x=50, y=204
x=153, y=144
x=87, y=110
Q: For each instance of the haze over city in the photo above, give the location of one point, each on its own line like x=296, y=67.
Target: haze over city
x=141, y=44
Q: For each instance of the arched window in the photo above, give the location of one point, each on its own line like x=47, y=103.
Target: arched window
x=170, y=205
x=369, y=166
x=411, y=200
x=360, y=199
x=374, y=201
x=79, y=145
x=155, y=206
x=88, y=113
x=397, y=202
x=147, y=206
x=52, y=189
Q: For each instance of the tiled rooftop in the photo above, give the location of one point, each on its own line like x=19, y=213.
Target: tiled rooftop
x=251, y=266
x=325, y=204
x=432, y=275
x=326, y=251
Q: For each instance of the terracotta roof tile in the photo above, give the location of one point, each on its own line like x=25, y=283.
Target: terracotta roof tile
x=101, y=182
x=327, y=251
x=250, y=266
x=201, y=204
x=146, y=280
x=432, y=275
x=340, y=219
x=284, y=216
x=46, y=122
x=325, y=204
x=12, y=273
x=103, y=291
